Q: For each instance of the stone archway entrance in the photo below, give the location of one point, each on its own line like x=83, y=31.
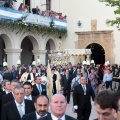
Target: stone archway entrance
x=50, y=45
x=103, y=38
x=98, y=53
x=27, y=55
x=2, y=52
x=5, y=43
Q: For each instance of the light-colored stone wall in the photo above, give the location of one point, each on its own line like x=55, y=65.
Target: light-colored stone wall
x=85, y=11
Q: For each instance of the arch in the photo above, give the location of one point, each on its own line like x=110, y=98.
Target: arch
x=27, y=55
x=7, y=41
x=98, y=53
x=32, y=38
x=103, y=38
x=52, y=43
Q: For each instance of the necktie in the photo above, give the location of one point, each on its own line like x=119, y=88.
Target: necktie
x=84, y=89
x=59, y=119
x=39, y=88
x=20, y=110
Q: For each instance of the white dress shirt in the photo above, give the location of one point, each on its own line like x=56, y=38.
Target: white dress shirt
x=28, y=97
x=55, y=118
x=22, y=106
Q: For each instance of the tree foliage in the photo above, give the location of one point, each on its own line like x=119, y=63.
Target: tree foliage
x=116, y=5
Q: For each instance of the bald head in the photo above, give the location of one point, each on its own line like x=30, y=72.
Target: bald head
x=57, y=96
x=58, y=105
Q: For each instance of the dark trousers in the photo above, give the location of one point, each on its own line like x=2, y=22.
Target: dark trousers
x=83, y=114
x=108, y=83
x=66, y=93
x=54, y=88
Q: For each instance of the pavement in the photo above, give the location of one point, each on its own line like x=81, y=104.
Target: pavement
x=71, y=113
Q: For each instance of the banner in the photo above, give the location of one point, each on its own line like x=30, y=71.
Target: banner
x=15, y=15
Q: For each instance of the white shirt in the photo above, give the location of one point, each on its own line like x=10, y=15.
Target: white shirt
x=38, y=87
x=55, y=118
x=43, y=80
x=30, y=97
x=7, y=92
x=38, y=116
x=22, y=106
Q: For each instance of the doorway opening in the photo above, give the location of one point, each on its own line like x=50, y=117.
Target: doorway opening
x=3, y=55
x=98, y=53
x=27, y=55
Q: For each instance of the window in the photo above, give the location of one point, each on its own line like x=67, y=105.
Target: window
x=48, y=4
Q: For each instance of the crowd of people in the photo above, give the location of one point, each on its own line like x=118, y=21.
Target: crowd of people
x=26, y=8
x=46, y=13
x=27, y=90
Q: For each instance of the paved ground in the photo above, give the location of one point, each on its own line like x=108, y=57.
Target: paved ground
x=70, y=112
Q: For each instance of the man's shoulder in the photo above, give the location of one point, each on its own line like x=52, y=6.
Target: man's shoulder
x=28, y=102
x=69, y=117
x=7, y=95
x=29, y=115
x=11, y=103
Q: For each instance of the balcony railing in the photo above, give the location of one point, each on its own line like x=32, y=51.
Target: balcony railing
x=15, y=15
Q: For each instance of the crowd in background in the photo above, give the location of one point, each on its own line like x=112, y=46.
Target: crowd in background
x=84, y=81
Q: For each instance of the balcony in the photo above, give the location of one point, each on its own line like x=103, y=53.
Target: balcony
x=28, y=22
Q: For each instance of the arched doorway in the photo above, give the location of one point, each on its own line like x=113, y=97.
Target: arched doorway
x=98, y=53
x=50, y=45
x=26, y=55
x=2, y=52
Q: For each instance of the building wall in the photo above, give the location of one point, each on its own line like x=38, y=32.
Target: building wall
x=85, y=11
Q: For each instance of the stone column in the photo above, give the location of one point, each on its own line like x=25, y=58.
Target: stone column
x=12, y=56
x=41, y=54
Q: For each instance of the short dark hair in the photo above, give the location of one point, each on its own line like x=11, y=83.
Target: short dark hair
x=104, y=99
x=115, y=100
x=36, y=77
x=28, y=83
x=41, y=96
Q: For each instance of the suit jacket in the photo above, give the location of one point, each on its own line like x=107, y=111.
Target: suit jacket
x=83, y=101
x=54, y=77
x=35, y=91
x=66, y=83
x=74, y=73
x=1, y=96
x=10, y=111
x=7, y=98
x=48, y=117
x=30, y=116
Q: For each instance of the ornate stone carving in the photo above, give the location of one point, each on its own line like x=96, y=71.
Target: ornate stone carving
x=103, y=38
x=93, y=25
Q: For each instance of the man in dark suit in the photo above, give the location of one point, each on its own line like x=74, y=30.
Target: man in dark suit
x=9, y=97
x=8, y=75
x=58, y=106
x=28, y=90
x=7, y=89
x=66, y=85
x=38, y=88
x=15, y=109
x=74, y=72
x=54, y=77
x=82, y=99
x=41, y=105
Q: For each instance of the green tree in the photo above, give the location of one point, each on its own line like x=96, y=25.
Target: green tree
x=116, y=5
